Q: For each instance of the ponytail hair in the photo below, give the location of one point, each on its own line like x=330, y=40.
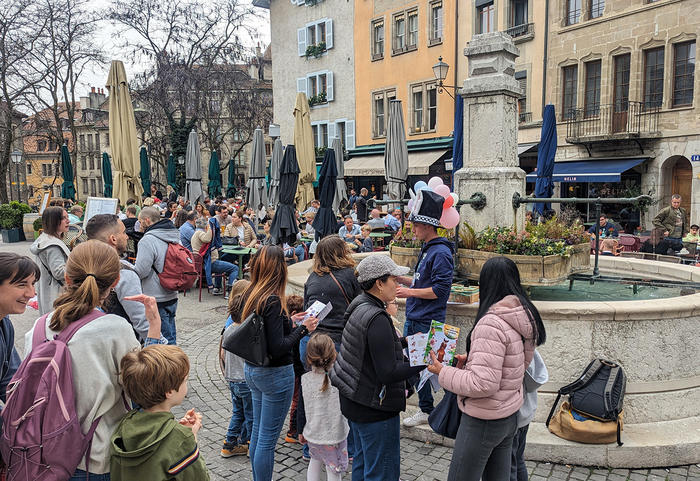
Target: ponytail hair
x=320, y=353
x=92, y=269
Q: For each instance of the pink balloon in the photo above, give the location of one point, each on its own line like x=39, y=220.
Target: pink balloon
x=434, y=182
x=443, y=190
x=448, y=202
x=450, y=218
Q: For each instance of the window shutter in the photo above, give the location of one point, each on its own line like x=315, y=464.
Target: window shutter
x=331, y=132
x=329, y=34
x=301, y=85
x=301, y=40
x=329, y=86
x=349, y=135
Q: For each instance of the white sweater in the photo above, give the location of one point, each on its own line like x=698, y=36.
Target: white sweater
x=96, y=351
x=325, y=424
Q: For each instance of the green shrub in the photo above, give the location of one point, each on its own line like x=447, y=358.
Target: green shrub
x=12, y=215
x=37, y=225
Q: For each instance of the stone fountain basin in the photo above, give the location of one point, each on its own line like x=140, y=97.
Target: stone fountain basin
x=656, y=341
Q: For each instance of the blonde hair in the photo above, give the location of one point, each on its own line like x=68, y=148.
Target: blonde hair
x=366, y=227
x=235, y=299
x=332, y=254
x=320, y=353
x=149, y=374
x=148, y=201
x=92, y=269
x=310, y=215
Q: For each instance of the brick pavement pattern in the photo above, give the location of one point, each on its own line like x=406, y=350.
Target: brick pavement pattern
x=209, y=394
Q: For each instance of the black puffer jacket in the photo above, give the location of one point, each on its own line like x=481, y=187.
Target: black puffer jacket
x=370, y=371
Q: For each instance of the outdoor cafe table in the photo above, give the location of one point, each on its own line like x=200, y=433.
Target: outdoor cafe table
x=240, y=252
x=378, y=237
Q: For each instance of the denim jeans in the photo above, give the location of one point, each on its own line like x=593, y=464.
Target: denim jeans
x=377, y=450
x=518, y=470
x=677, y=240
x=223, y=267
x=167, y=322
x=298, y=250
x=425, y=395
x=241, y=425
x=79, y=475
x=272, y=389
x=483, y=449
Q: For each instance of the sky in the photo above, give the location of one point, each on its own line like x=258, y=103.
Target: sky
x=96, y=76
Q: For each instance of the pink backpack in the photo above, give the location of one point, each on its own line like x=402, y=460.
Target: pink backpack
x=41, y=436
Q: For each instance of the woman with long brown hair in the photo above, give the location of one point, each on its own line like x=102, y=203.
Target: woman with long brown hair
x=272, y=387
x=51, y=253
x=96, y=349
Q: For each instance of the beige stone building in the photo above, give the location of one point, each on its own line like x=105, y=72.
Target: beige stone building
x=93, y=140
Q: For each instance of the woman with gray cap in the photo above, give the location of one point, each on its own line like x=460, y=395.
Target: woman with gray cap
x=370, y=373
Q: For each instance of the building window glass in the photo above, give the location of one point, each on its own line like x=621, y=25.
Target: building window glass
x=435, y=22
x=82, y=142
x=85, y=186
x=622, y=83
x=570, y=84
x=592, y=101
x=418, y=109
x=92, y=163
x=320, y=132
x=523, y=114
x=97, y=141
x=83, y=163
x=29, y=171
x=412, y=28
x=653, y=77
x=424, y=108
x=518, y=14
x=597, y=7
x=573, y=11
x=399, y=32
x=89, y=141
x=93, y=188
x=378, y=39
x=380, y=109
x=40, y=145
x=486, y=15
x=432, y=106
x=683, y=74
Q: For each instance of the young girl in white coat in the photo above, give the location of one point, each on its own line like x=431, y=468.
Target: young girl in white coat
x=320, y=421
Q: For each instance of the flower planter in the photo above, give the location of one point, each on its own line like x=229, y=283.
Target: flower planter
x=404, y=256
x=534, y=270
x=12, y=235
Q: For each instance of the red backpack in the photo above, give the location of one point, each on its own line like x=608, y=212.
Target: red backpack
x=179, y=272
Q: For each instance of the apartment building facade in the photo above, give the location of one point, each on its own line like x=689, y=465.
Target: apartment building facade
x=93, y=141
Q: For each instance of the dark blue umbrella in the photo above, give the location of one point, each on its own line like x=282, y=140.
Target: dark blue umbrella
x=107, y=175
x=67, y=188
x=325, y=221
x=458, y=142
x=284, y=224
x=546, y=151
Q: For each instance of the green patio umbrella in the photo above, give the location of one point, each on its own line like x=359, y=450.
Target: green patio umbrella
x=106, y=175
x=214, y=185
x=145, y=172
x=172, y=172
x=67, y=188
x=231, y=189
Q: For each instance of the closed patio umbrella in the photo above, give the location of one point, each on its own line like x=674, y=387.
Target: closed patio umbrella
x=325, y=221
x=172, y=172
x=231, y=188
x=122, y=136
x=341, y=191
x=547, y=150
x=67, y=188
x=284, y=225
x=306, y=154
x=273, y=195
x=145, y=172
x=214, y=185
x=458, y=141
x=193, y=171
x=256, y=192
x=106, y=175
x=396, y=153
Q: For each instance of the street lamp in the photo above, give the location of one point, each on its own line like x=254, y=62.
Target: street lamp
x=440, y=71
x=16, y=157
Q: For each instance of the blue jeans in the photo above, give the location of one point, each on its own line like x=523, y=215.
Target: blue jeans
x=674, y=239
x=79, y=475
x=377, y=450
x=298, y=250
x=167, y=322
x=223, y=267
x=425, y=395
x=241, y=425
x=272, y=389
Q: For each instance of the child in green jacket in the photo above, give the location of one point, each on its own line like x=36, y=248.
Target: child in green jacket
x=149, y=443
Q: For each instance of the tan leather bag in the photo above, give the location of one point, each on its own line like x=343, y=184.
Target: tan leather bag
x=565, y=426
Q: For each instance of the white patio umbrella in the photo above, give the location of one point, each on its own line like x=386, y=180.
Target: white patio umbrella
x=256, y=193
x=341, y=191
x=273, y=195
x=193, y=171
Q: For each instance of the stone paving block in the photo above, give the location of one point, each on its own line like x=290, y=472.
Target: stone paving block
x=677, y=477
x=680, y=470
x=598, y=477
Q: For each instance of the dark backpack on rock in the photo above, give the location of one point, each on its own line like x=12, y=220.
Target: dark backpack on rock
x=598, y=394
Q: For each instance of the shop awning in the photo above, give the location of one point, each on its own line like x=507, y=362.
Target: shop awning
x=523, y=148
x=373, y=165
x=599, y=170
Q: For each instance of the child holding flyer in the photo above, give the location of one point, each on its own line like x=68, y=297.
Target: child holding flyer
x=320, y=421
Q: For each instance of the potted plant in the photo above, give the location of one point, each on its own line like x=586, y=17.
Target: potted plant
x=11, y=217
x=405, y=248
x=38, y=228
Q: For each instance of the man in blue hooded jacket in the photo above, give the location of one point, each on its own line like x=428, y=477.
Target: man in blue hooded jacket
x=428, y=291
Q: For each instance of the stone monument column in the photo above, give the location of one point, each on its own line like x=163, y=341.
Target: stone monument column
x=491, y=133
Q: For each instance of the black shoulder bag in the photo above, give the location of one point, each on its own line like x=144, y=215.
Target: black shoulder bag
x=249, y=341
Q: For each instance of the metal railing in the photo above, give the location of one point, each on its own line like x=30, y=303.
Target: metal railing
x=524, y=117
x=631, y=118
x=520, y=30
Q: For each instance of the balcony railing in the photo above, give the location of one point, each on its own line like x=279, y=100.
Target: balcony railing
x=520, y=30
x=524, y=117
x=619, y=120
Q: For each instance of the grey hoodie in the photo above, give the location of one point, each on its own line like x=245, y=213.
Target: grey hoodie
x=51, y=255
x=152, y=249
x=535, y=376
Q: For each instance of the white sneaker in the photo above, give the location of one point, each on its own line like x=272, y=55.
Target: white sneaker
x=418, y=418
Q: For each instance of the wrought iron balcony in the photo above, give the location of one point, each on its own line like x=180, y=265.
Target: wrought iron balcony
x=520, y=30
x=622, y=120
x=524, y=117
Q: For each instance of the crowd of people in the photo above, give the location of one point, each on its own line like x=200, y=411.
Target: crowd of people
x=343, y=382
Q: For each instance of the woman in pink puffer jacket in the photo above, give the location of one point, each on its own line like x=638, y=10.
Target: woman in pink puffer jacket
x=489, y=378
